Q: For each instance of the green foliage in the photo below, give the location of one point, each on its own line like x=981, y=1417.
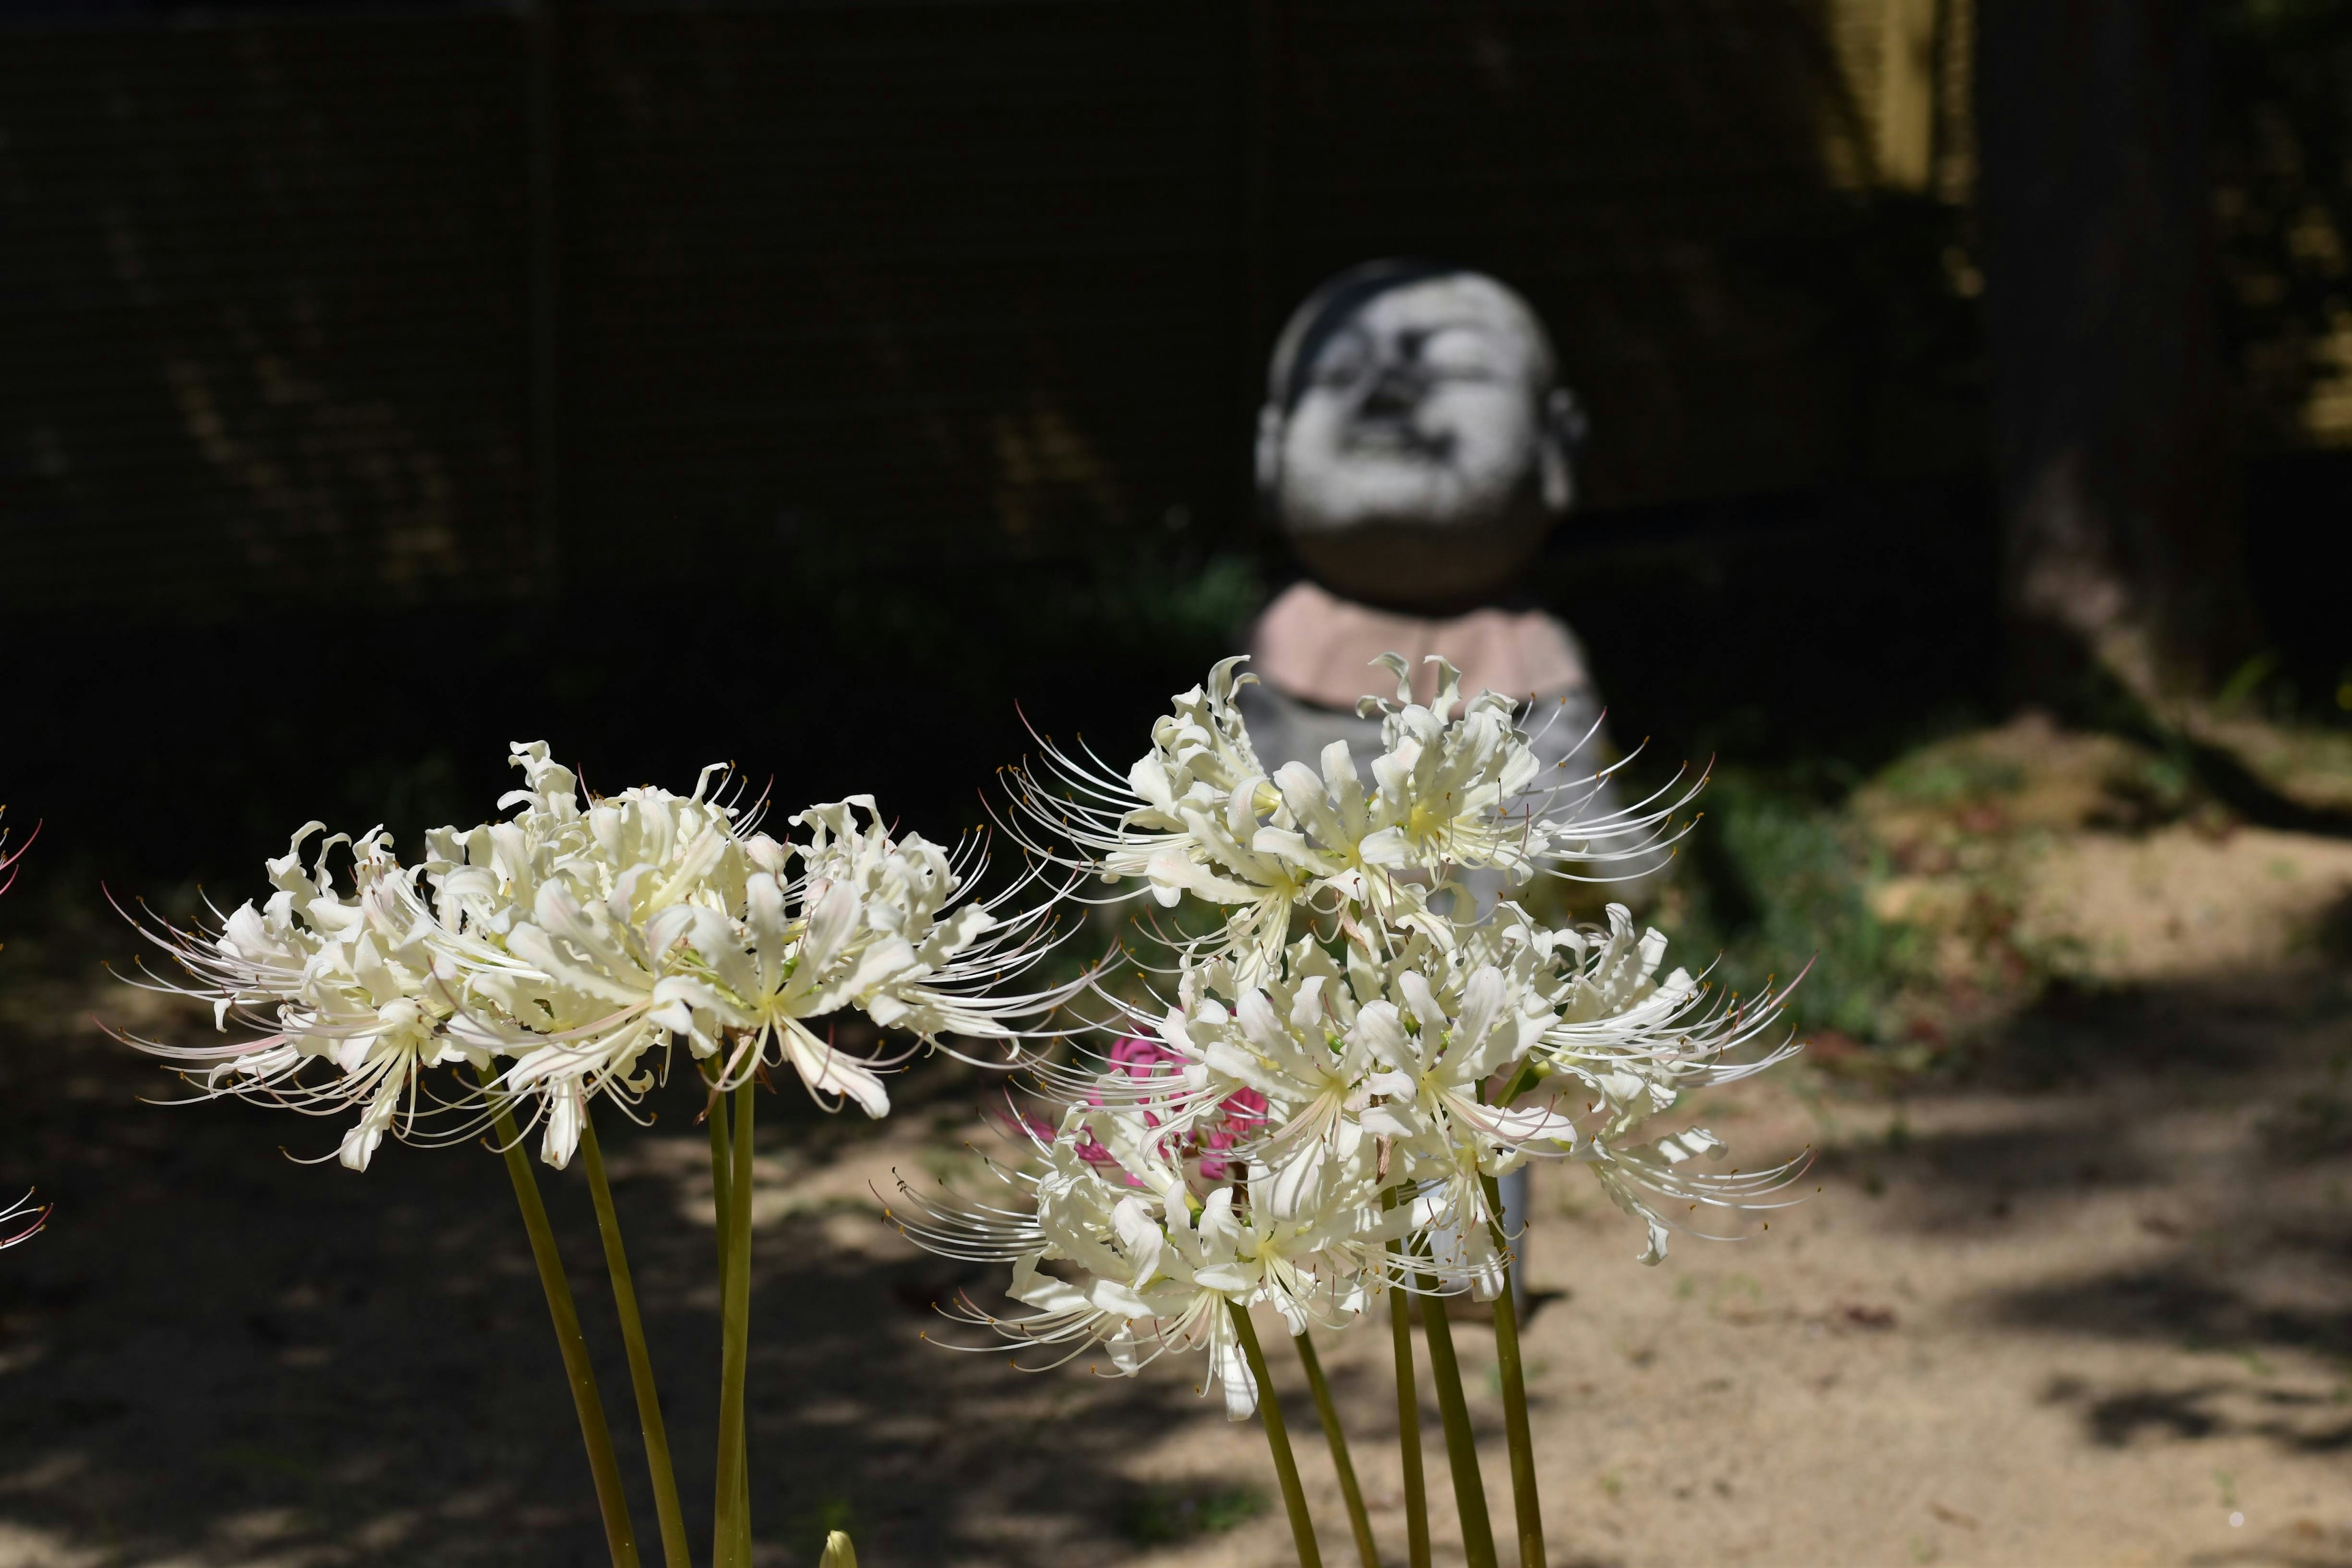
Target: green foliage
x=1944, y=780
x=1776, y=876
x=1199, y=604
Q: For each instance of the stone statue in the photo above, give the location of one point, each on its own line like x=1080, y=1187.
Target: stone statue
x=1415, y=447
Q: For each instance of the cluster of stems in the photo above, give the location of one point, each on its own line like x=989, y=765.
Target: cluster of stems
x=729, y=1117
x=729, y=1114
x=1454, y=1413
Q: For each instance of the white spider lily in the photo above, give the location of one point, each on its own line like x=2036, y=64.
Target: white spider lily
x=563, y=933
x=1316, y=1078
x=1652, y=1181
x=1372, y=1039
x=1631, y=1036
x=566, y=949
x=1437, y=1065
x=1155, y=1271
x=874, y=924
x=1452, y=793
x=345, y=983
x=1294, y=1041
x=917, y=957
x=1125, y=1300
x=1438, y=1060
x=1191, y=817
x=1468, y=793
x=1201, y=760
x=600, y=990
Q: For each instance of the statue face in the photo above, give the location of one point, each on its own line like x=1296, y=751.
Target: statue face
x=1426, y=406
x=1422, y=459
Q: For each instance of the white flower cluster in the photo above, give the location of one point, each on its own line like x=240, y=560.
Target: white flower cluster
x=1199, y=815
x=1318, y=1114
x=558, y=953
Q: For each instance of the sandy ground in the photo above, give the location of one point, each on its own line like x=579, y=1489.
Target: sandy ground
x=2087, y=1303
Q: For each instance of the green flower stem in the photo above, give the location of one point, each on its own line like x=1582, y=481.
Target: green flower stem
x=1524, y=1080
x=744, y=1505
x=1278, y=1439
x=723, y=1175
x=724, y=1492
x=1358, y=1522
x=1460, y=1449
x=734, y=1467
x=1416, y=1494
x=620, y=1537
x=1527, y=1506
x=675, y=1551
x=740, y=1191
x=1525, y=1503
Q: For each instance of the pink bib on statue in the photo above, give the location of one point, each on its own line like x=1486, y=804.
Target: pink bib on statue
x=1319, y=647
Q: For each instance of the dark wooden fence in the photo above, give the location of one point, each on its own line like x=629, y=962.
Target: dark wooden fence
x=457, y=301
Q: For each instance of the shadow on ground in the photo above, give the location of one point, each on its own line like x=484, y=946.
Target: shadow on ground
x=2211, y=1123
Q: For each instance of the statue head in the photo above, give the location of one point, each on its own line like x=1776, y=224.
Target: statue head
x=1415, y=444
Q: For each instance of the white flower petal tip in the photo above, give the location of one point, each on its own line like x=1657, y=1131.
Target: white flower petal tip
x=23, y=1214
x=21, y=1221
x=838, y=1552
x=9, y=857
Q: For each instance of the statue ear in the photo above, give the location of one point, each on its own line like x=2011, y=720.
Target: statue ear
x=1564, y=426
x=1270, y=423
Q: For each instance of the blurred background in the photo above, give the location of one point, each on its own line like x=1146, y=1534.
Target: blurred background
x=809, y=383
